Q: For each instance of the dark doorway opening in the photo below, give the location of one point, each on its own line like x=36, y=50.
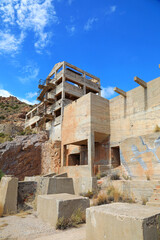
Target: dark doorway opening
x=74, y=159
x=115, y=157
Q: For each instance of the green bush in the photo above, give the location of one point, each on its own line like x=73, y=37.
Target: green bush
x=1, y=174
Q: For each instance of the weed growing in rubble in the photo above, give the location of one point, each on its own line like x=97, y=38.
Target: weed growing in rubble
x=77, y=218
x=110, y=195
x=88, y=194
x=144, y=200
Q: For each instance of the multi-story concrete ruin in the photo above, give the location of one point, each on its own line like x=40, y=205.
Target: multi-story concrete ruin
x=97, y=134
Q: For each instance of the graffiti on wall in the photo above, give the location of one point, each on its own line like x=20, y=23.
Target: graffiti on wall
x=138, y=155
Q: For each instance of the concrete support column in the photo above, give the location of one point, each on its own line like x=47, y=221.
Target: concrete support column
x=91, y=153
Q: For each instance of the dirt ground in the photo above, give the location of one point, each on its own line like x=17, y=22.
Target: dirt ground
x=25, y=226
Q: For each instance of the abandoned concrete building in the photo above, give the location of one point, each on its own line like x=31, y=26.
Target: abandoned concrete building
x=97, y=134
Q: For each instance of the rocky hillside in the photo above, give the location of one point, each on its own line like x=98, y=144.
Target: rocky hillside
x=12, y=117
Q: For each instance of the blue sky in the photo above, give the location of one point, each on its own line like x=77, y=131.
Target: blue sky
x=112, y=39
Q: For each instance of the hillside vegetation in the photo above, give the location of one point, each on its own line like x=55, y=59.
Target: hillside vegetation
x=12, y=117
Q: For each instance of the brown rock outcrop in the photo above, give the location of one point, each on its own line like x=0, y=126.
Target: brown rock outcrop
x=22, y=156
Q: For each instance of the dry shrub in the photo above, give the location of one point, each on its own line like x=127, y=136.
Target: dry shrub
x=102, y=198
x=112, y=195
x=77, y=218
x=115, y=176
x=144, y=200
x=3, y=225
x=157, y=128
x=89, y=194
x=1, y=210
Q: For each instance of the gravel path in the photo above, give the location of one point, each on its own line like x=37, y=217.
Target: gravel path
x=28, y=227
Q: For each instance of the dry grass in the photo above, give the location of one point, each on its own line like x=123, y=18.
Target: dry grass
x=3, y=225
x=89, y=194
x=144, y=200
x=77, y=218
x=157, y=128
x=1, y=210
x=111, y=195
x=23, y=214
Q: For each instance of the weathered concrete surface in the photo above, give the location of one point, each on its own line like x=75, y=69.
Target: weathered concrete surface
x=140, y=156
x=52, y=185
x=8, y=195
x=26, y=191
x=135, y=115
x=81, y=178
x=136, y=189
x=123, y=221
x=60, y=185
x=54, y=206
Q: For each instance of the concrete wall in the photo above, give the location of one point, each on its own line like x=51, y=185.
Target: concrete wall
x=89, y=113
x=135, y=115
x=82, y=180
x=77, y=120
x=137, y=189
x=140, y=156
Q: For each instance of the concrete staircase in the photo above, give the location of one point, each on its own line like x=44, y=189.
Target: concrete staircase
x=155, y=199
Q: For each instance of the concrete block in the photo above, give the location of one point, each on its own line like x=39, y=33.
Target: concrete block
x=60, y=185
x=8, y=195
x=26, y=191
x=54, y=206
x=86, y=184
x=123, y=221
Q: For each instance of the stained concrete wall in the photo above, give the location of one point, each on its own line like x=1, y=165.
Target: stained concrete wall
x=135, y=189
x=140, y=156
x=88, y=113
x=135, y=115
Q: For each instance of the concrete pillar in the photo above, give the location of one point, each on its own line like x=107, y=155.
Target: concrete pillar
x=91, y=152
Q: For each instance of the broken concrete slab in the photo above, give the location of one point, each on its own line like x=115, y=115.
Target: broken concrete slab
x=8, y=195
x=123, y=221
x=54, y=206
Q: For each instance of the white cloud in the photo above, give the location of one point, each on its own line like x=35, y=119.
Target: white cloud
x=111, y=10
x=31, y=94
x=90, y=23
x=23, y=16
x=28, y=102
x=107, y=92
x=71, y=29
x=5, y=93
x=9, y=42
x=29, y=72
